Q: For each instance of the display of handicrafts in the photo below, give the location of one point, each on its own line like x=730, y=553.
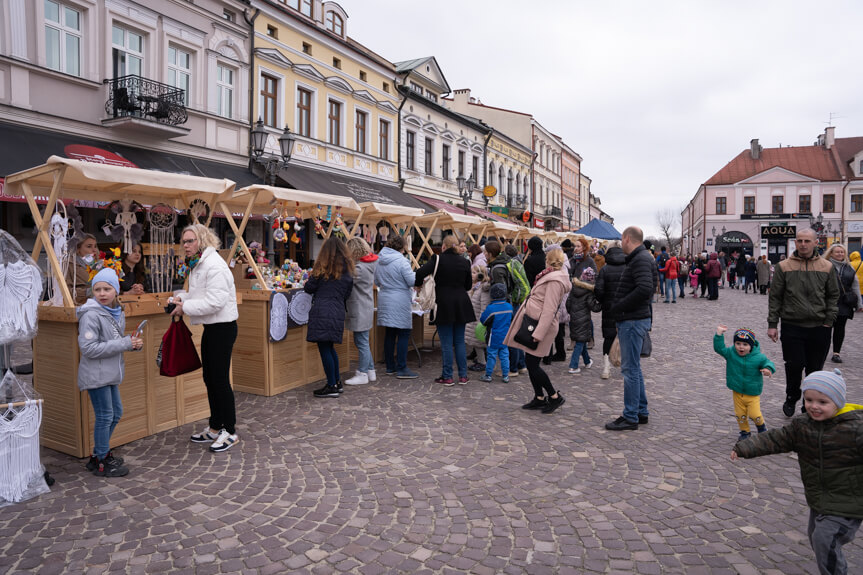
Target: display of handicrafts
x=163, y=221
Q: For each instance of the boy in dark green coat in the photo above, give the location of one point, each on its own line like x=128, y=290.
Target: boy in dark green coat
x=745, y=365
x=828, y=440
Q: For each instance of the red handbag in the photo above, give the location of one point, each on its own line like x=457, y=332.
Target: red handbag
x=177, y=354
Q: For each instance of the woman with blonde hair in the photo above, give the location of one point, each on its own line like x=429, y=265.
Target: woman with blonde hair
x=849, y=295
x=330, y=283
x=551, y=287
x=360, y=316
x=211, y=301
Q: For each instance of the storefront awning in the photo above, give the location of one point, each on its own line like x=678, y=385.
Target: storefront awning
x=334, y=183
x=23, y=147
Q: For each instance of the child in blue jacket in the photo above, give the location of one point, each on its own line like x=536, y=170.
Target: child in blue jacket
x=499, y=315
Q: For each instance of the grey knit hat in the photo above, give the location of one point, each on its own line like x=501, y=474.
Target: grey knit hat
x=830, y=383
x=498, y=291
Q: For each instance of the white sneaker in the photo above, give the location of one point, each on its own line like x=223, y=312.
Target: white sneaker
x=205, y=436
x=589, y=364
x=224, y=442
x=606, y=367
x=574, y=370
x=359, y=379
x=372, y=375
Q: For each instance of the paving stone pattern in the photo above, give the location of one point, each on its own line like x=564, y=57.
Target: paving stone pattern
x=411, y=476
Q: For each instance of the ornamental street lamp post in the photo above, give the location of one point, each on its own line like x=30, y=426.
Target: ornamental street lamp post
x=272, y=164
x=569, y=212
x=465, y=190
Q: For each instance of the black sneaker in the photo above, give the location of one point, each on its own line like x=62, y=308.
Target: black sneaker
x=836, y=358
x=743, y=435
x=762, y=428
x=327, y=391
x=110, y=468
x=643, y=419
x=535, y=403
x=340, y=387
x=621, y=424
x=788, y=407
x=93, y=463
x=554, y=403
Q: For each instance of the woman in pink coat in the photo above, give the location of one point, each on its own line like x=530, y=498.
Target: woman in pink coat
x=551, y=287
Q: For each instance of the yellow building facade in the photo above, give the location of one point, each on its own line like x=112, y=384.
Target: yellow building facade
x=508, y=170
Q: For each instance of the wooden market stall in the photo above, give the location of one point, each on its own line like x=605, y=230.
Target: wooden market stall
x=151, y=403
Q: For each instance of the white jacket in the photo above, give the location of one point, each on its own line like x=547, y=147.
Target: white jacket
x=212, y=297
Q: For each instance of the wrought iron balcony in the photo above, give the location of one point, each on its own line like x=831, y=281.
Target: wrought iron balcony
x=553, y=211
x=137, y=97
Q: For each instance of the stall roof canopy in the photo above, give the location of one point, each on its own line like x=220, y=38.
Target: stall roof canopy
x=310, y=204
x=88, y=181
x=374, y=212
x=361, y=190
x=599, y=229
x=447, y=220
x=25, y=147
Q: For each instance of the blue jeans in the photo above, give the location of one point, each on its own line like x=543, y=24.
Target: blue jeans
x=452, y=336
x=516, y=360
x=491, y=356
x=670, y=289
x=108, y=409
x=399, y=361
x=330, y=360
x=361, y=340
x=580, y=350
x=631, y=334
x=661, y=283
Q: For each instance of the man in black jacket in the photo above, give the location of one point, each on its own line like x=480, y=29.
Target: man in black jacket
x=633, y=312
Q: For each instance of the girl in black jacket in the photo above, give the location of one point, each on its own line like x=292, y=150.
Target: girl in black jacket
x=607, y=283
x=330, y=283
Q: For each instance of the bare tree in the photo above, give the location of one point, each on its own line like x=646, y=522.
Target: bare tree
x=668, y=222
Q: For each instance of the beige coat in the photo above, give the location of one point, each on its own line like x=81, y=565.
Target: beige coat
x=542, y=304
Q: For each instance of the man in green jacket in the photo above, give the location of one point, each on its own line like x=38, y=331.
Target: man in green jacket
x=803, y=296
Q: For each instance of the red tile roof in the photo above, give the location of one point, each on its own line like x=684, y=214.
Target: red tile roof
x=813, y=161
x=847, y=149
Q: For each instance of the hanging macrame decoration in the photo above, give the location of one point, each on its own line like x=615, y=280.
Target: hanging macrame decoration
x=59, y=232
x=22, y=475
x=384, y=233
x=163, y=221
x=122, y=223
x=199, y=211
x=20, y=290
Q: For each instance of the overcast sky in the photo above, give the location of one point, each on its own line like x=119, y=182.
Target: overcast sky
x=656, y=96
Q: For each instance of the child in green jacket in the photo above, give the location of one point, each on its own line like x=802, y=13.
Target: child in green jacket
x=745, y=365
x=828, y=440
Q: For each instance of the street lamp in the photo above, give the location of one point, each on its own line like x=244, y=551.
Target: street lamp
x=465, y=190
x=723, y=230
x=569, y=212
x=272, y=164
x=821, y=231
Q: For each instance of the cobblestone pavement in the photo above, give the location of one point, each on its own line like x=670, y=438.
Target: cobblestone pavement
x=410, y=476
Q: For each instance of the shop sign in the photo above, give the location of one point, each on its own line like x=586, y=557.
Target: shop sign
x=855, y=227
x=778, y=231
x=774, y=216
x=734, y=239
x=489, y=191
x=539, y=223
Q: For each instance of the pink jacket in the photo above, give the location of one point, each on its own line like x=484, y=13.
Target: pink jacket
x=542, y=304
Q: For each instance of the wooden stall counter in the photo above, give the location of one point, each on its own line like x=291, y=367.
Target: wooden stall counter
x=151, y=403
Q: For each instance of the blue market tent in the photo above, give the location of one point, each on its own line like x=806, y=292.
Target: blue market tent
x=599, y=229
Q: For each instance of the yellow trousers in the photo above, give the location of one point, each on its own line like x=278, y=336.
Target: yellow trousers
x=747, y=407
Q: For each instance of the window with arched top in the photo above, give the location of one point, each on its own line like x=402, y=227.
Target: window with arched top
x=335, y=24
x=509, y=189
x=490, y=173
x=501, y=181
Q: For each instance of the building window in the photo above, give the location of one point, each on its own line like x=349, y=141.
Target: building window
x=428, y=156
x=445, y=159
x=62, y=38
x=363, y=76
x=335, y=24
x=304, y=113
x=829, y=203
x=461, y=163
x=387, y=87
x=272, y=31
x=269, y=97
x=384, y=143
x=180, y=71
x=857, y=203
x=778, y=204
x=749, y=204
x=337, y=63
x=417, y=88
x=307, y=48
x=306, y=7
x=362, y=122
x=127, y=52
x=805, y=204
x=431, y=96
x=490, y=181
x=229, y=16
x=721, y=205
x=335, y=123
x=860, y=171
x=410, y=150
x=225, y=91
x=475, y=168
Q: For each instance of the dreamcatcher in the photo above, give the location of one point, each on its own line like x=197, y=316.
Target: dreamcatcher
x=76, y=228
x=121, y=223
x=199, y=211
x=299, y=307
x=163, y=220
x=59, y=232
x=20, y=291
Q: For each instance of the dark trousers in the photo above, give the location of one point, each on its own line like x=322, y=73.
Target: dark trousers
x=607, y=343
x=839, y=332
x=330, y=361
x=803, y=349
x=396, y=354
x=558, y=349
x=217, y=344
x=762, y=288
x=713, y=288
x=681, y=283
x=702, y=281
x=538, y=378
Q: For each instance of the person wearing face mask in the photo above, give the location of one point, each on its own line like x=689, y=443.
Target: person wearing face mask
x=78, y=274
x=134, y=272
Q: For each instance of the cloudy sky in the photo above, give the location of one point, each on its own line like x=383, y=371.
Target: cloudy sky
x=655, y=96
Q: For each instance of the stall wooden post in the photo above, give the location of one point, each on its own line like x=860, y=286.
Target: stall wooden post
x=239, y=238
x=356, y=225
x=425, y=238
